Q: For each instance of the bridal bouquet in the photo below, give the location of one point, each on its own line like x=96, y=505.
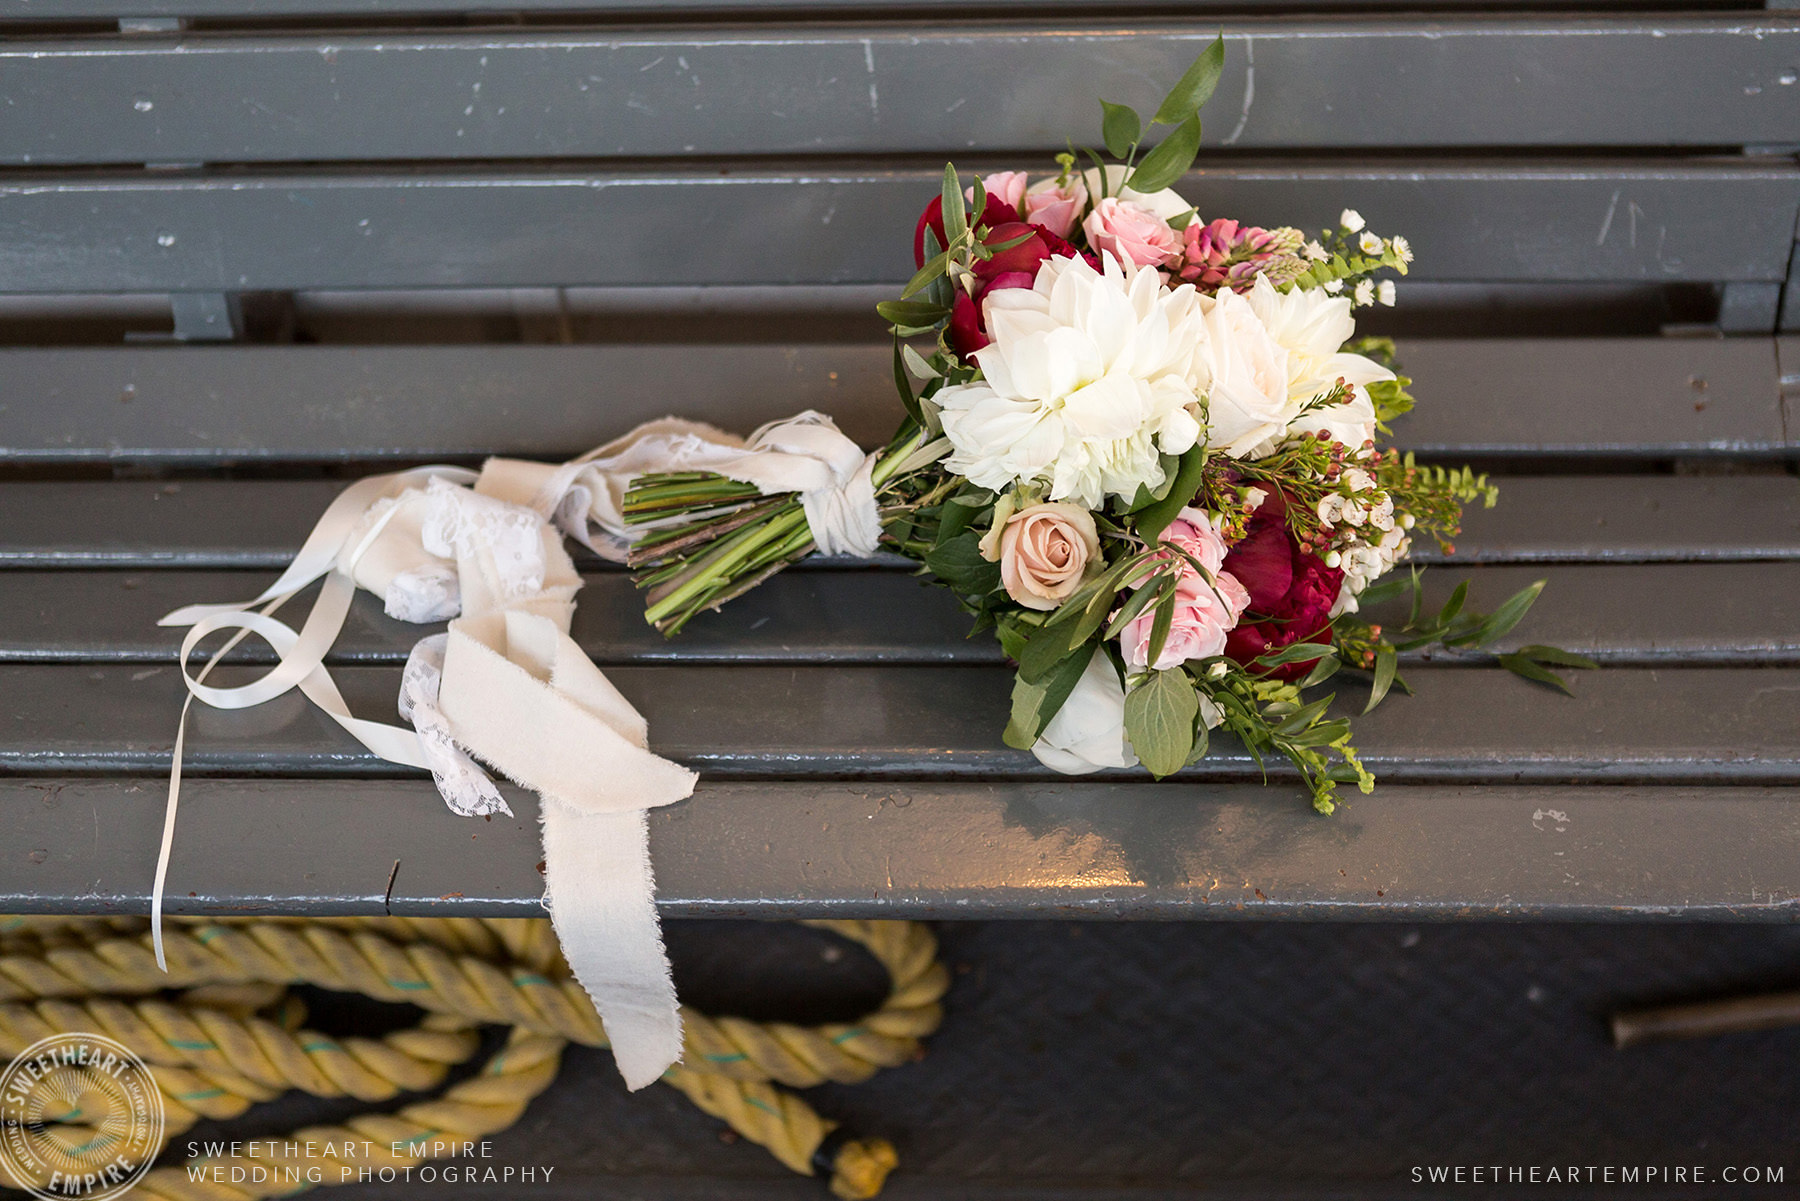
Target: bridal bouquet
x=1142, y=445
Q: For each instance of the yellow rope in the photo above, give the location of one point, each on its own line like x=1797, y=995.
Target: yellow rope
x=233, y=1036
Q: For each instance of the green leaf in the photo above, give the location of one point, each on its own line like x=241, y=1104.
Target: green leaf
x=1323, y=670
x=1169, y=160
x=1454, y=605
x=1194, y=88
x=1558, y=656
x=1519, y=665
x=1120, y=128
x=1154, y=518
x=1299, y=652
x=1164, y=620
x=1386, y=590
x=1305, y=716
x=912, y=312
x=902, y=384
x=958, y=563
x=1159, y=720
x=956, y=221
x=1506, y=616
x=915, y=363
x=1386, y=662
x=921, y=279
x=1034, y=704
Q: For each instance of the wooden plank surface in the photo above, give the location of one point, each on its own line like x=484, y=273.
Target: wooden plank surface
x=1645, y=615
x=1623, y=725
x=1489, y=219
x=946, y=850
x=250, y=12
x=926, y=88
x=1643, y=396
x=1545, y=519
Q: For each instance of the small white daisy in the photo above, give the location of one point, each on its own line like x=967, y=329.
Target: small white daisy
x=1314, y=251
x=1402, y=249
x=1351, y=220
x=1370, y=244
x=1365, y=293
x=1385, y=293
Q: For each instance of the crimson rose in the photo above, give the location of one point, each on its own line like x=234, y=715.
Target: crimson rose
x=1291, y=590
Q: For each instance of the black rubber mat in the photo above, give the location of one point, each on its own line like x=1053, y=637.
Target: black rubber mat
x=1231, y=1060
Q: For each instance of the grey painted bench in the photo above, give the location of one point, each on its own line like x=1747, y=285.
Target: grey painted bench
x=246, y=257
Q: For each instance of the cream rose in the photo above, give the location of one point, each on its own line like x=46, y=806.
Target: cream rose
x=1045, y=551
x=1247, y=399
x=1088, y=732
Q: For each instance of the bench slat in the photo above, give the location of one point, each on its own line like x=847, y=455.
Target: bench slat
x=1550, y=519
x=1706, y=725
x=1658, y=614
x=953, y=850
x=1616, y=220
x=235, y=10
x=1636, y=396
x=900, y=87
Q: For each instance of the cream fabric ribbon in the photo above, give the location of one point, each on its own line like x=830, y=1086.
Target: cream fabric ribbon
x=506, y=685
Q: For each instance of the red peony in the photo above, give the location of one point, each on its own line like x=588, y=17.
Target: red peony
x=1291, y=590
x=1014, y=267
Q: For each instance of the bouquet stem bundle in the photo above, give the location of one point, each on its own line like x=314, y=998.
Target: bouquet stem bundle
x=716, y=538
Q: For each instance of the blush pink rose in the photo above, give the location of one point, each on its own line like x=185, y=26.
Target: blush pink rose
x=1131, y=233
x=1204, y=614
x=1056, y=206
x=1193, y=532
x=1045, y=551
x=1008, y=187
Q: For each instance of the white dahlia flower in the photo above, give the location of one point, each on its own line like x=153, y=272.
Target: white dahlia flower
x=1313, y=327
x=1089, y=378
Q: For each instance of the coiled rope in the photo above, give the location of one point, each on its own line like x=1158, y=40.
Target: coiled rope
x=233, y=1035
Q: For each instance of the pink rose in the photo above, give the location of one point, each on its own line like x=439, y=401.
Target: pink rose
x=1008, y=187
x=1133, y=234
x=1045, y=551
x=1194, y=532
x=1204, y=614
x=1056, y=207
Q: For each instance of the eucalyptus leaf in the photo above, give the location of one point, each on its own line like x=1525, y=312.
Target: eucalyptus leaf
x=1195, y=87
x=1169, y=160
x=1159, y=721
x=1120, y=128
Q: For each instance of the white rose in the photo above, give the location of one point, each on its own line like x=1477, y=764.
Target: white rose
x=1088, y=732
x=1167, y=204
x=1246, y=374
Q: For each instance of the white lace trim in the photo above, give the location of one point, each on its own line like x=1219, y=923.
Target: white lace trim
x=459, y=522
x=461, y=781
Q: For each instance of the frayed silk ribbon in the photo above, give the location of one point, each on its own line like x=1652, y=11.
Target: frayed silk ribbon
x=513, y=690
